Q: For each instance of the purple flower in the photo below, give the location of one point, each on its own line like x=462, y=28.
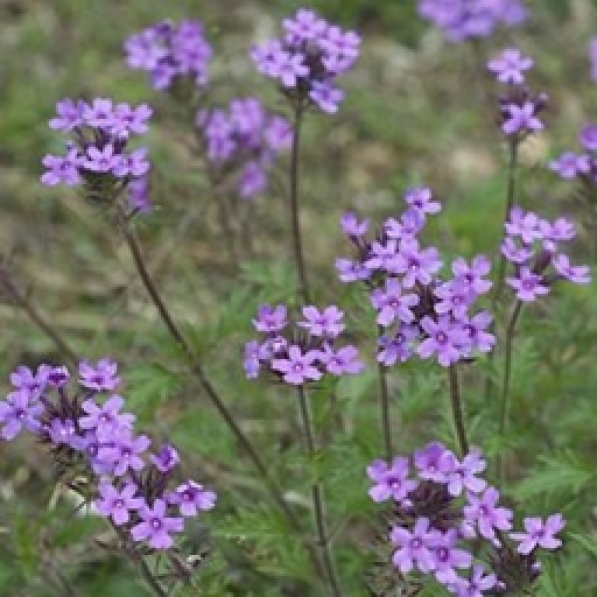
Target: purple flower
x=391, y=481
x=128, y=119
x=391, y=304
x=539, y=534
x=251, y=362
x=351, y=271
x=270, y=319
x=569, y=165
x=166, y=459
x=483, y=511
x=106, y=416
x=304, y=26
x=64, y=431
x=510, y=66
x=383, y=256
x=101, y=377
x=19, y=412
x=326, y=96
x=453, y=298
x=578, y=274
x=22, y=378
x=476, y=585
x=477, y=340
x=133, y=164
x=252, y=180
x=410, y=224
x=124, y=451
x=521, y=119
x=588, y=137
x=447, y=557
x=138, y=196
x=421, y=199
x=528, y=285
x=101, y=160
x=444, y=340
x=69, y=115
x=192, y=497
x=472, y=276
x=156, y=527
x=416, y=264
x=344, y=361
x=298, y=367
x=352, y=227
x=100, y=114
x=289, y=68
x=514, y=252
x=118, y=504
x=432, y=464
x=415, y=548
x=168, y=51
x=327, y=323
x=526, y=225
x=397, y=347
x=62, y=169
x=461, y=475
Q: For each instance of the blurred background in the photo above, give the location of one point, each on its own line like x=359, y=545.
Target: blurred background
x=418, y=110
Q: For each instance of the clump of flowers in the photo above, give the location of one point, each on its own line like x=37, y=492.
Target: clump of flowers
x=90, y=437
x=243, y=142
x=466, y=19
x=301, y=353
x=444, y=510
x=532, y=245
x=98, y=155
x=419, y=312
x=519, y=107
x=309, y=58
x=170, y=52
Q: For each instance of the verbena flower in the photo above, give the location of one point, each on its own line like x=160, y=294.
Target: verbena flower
x=447, y=525
x=242, y=143
x=98, y=153
x=533, y=246
x=170, y=52
x=465, y=19
x=422, y=313
x=91, y=437
x=304, y=354
x=309, y=58
x=510, y=66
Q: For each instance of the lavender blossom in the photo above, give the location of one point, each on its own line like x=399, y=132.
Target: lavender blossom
x=156, y=527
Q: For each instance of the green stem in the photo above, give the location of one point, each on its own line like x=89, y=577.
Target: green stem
x=318, y=499
x=384, y=403
x=218, y=403
x=21, y=301
x=457, y=415
x=150, y=579
x=294, y=205
x=507, y=375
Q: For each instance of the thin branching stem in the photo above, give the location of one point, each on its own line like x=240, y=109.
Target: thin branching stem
x=297, y=244
x=197, y=369
x=457, y=414
x=384, y=405
x=507, y=375
x=24, y=303
x=318, y=498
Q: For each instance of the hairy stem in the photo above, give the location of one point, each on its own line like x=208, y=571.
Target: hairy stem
x=21, y=301
x=507, y=375
x=457, y=415
x=294, y=205
x=149, y=578
x=501, y=275
x=318, y=500
x=384, y=404
x=217, y=401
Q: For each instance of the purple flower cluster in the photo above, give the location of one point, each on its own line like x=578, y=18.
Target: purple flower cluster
x=420, y=313
x=243, y=141
x=532, y=244
x=446, y=507
x=308, y=59
x=307, y=352
x=89, y=434
x=168, y=52
x=519, y=108
x=97, y=153
x=580, y=166
x=465, y=19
